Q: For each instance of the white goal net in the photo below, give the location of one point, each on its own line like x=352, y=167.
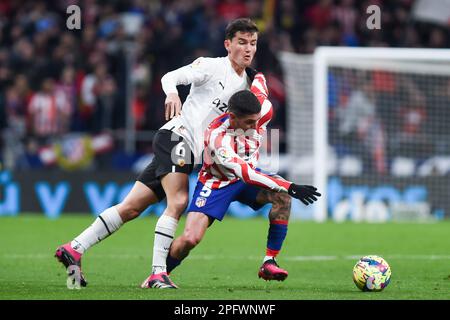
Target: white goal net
x=371, y=128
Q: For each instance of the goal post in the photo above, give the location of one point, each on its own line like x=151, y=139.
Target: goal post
x=376, y=120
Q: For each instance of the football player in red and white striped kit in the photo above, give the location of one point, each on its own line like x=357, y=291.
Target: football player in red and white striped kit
x=230, y=173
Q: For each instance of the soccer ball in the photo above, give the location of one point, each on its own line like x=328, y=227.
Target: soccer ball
x=371, y=273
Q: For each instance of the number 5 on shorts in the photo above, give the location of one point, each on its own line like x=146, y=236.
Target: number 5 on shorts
x=205, y=192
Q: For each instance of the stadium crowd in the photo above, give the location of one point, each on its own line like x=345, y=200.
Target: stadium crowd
x=54, y=81
x=381, y=116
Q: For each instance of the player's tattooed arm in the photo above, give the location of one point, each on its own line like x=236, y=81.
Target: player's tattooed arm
x=281, y=204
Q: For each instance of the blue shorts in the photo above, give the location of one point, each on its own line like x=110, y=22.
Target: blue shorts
x=215, y=202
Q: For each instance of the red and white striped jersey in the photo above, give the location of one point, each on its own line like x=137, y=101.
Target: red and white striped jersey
x=230, y=154
x=49, y=113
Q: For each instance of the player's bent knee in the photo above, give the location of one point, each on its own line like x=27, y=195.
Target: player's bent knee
x=128, y=211
x=282, y=199
x=281, y=207
x=191, y=239
x=179, y=202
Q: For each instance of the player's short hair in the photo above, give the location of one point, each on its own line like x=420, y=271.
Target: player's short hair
x=244, y=103
x=242, y=25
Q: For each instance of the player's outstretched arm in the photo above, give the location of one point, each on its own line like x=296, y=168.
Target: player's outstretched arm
x=306, y=194
x=228, y=158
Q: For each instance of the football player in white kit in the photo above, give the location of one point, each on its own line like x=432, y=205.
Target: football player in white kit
x=177, y=146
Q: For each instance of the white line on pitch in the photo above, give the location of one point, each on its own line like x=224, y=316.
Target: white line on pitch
x=221, y=257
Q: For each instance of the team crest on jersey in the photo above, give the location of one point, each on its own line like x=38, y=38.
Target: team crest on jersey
x=222, y=152
x=181, y=129
x=200, y=202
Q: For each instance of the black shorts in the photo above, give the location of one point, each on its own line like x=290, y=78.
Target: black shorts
x=172, y=154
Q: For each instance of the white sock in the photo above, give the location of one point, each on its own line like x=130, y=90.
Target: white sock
x=164, y=233
x=268, y=258
x=106, y=224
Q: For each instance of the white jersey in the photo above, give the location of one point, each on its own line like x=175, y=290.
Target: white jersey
x=213, y=81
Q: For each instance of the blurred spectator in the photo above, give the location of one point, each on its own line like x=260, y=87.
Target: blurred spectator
x=438, y=118
x=140, y=106
x=49, y=112
x=438, y=39
x=410, y=139
x=98, y=93
x=67, y=84
x=286, y=16
x=358, y=119
x=105, y=104
x=232, y=9
x=319, y=15
x=345, y=13
x=14, y=111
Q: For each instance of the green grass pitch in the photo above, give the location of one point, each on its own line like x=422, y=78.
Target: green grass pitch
x=319, y=258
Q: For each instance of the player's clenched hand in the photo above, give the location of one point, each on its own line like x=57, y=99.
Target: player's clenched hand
x=173, y=105
x=306, y=194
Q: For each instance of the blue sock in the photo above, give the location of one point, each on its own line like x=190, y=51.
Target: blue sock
x=276, y=236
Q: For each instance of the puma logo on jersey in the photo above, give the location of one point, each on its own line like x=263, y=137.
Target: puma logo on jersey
x=223, y=87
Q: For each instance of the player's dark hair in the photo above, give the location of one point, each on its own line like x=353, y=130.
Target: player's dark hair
x=242, y=25
x=244, y=103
